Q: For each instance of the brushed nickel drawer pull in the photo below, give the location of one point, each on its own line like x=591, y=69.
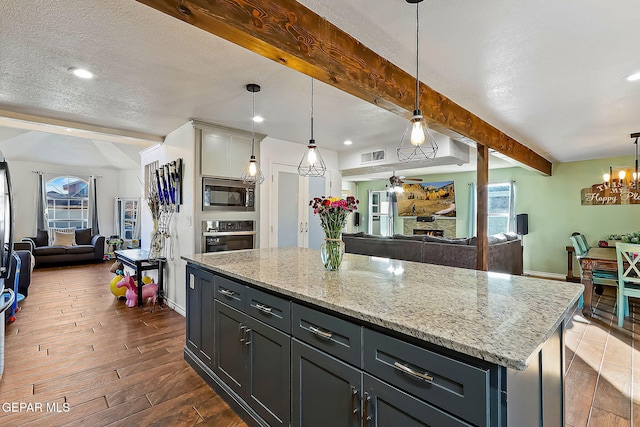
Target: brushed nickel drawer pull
x=323, y=334
x=227, y=292
x=247, y=336
x=408, y=370
x=264, y=308
x=242, y=332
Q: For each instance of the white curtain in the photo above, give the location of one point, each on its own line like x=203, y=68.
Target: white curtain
x=512, y=207
x=473, y=211
x=42, y=212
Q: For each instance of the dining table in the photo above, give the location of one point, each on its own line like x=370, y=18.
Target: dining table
x=595, y=259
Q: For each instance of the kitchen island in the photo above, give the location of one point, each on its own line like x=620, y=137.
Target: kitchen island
x=379, y=342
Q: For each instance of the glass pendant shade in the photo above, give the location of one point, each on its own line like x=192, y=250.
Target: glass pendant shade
x=417, y=142
x=252, y=174
x=312, y=163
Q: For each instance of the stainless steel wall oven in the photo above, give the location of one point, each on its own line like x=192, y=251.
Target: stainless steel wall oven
x=228, y=235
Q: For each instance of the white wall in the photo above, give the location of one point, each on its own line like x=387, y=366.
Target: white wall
x=178, y=144
x=111, y=184
x=288, y=153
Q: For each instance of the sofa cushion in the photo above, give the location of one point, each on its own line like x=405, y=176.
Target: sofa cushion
x=358, y=234
x=63, y=239
x=418, y=237
x=52, y=233
x=455, y=241
x=42, y=238
x=48, y=250
x=79, y=249
x=83, y=236
x=511, y=236
x=376, y=236
x=499, y=238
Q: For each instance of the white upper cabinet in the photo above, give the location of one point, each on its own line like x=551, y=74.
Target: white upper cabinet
x=224, y=153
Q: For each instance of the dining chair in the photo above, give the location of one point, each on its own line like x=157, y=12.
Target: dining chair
x=598, y=277
x=628, y=256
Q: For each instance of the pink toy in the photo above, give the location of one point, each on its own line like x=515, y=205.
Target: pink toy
x=149, y=291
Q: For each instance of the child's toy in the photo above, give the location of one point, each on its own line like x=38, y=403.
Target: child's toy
x=115, y=289
x=149, y=291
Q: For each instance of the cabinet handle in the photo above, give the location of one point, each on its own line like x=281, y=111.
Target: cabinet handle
x=246, y=333
x=242, y=332
x=264, y=308
x=354, y=394
x=366, y=417
x=301, y=228
x=306, y=227
x=408, y=370
x=323, y=334
x=227, y=292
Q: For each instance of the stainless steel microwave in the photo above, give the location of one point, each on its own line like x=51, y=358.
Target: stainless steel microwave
x=220, y=194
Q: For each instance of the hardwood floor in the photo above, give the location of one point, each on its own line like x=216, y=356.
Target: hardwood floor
x=96, y=362
x=77, y=356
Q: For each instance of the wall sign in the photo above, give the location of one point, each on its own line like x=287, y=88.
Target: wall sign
x=616, y=193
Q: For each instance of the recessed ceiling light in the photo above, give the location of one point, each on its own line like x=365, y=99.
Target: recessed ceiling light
x=633, y=77
x=258, y=119
x=348, y=142
x=82, y=73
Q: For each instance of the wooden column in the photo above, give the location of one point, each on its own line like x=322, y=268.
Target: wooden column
x=482, y=260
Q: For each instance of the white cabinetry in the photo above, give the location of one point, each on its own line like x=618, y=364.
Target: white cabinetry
x=224, y=153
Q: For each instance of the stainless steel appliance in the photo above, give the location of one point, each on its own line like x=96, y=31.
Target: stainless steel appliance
x=228, y=235
x=227, y=195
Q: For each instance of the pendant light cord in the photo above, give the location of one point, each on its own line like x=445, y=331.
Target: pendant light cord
x=253, y=122
x=312, y=109
x=417, y=55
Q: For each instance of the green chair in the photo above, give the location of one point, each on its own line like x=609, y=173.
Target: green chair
x=598, y=277
x=628, y=255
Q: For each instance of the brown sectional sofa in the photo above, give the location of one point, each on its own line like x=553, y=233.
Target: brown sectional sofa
x=505, y=250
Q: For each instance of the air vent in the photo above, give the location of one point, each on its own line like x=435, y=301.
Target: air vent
x=372, y=156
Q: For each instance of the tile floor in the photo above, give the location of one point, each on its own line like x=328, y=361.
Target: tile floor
x=603, y=366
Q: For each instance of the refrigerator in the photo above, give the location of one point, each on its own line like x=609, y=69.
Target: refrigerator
x=6, y=249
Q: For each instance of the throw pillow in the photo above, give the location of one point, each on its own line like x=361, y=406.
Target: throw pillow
x=63, y=239
x=52, y=231
x=83, y=236
x=42, y=238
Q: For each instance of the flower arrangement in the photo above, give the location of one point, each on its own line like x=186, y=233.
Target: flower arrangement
x=626, y=238
x=333, y=213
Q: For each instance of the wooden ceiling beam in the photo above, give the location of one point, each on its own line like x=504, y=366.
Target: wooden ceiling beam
x=291, y=34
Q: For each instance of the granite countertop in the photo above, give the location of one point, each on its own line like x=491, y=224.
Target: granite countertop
x=495, y=317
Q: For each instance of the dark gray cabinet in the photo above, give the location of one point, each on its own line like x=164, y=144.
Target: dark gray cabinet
x=386, y=406
x=325, y=391
x=253, y=359
x=200, y=295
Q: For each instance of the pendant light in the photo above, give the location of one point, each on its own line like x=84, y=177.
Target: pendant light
x=252, y=173
x=312, y=163
x=417, y=142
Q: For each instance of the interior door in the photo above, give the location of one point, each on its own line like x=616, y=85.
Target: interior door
x=292, y=220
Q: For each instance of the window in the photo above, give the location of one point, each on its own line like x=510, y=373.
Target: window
x=127, y=217
x=499, y=208
x=68, y=202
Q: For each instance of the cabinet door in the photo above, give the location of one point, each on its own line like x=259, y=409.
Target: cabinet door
x=194, y=310
x=324, y=390
x=215, y=154
x=230, y=337
x=200, y=292
x=269, y=372
x=387, y=406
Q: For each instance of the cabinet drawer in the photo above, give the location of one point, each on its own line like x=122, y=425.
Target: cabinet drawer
x=230, y=292
x=335, y=336
x=270, y=309
x=450, y=384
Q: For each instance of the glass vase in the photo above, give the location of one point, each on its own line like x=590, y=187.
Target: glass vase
x=332, y=252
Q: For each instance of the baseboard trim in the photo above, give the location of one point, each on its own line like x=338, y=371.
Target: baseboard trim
x=545, y=275
x=175, y=307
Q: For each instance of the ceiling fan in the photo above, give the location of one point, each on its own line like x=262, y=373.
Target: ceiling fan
x=395, y=182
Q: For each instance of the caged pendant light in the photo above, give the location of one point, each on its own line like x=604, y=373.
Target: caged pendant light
x=312, y=163
x=417, y=142
x=252, y=173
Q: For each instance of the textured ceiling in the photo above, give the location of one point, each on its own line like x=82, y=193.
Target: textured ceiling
x=550, y=74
